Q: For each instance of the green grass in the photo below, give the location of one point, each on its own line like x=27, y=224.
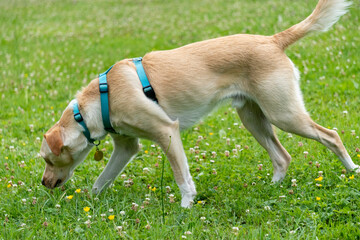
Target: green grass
x=50, y=49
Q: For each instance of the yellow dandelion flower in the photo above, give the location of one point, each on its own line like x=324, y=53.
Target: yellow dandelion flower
x=146, y=151
x=24, y=144
x=9, y=185
x=78, y=190
x=111, y=217
x=318, y=198
x=86, y=209
x=199, y=202
x=358, y=155
x=153, y=189
x=351, y=177
x=69, y=197
x=51, y=107
x=6, y=158
x=319, y=179
x=211, y=134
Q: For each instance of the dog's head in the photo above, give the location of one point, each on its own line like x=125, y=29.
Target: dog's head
x=63, y=148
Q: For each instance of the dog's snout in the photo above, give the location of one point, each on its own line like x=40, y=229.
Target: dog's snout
x=57, y=183
x=43, y=182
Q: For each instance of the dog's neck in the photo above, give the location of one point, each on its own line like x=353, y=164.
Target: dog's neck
x=90, y=109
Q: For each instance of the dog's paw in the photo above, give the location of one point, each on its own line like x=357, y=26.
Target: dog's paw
x=278, y=177
x=96, y=191
x=187, y=201
x=357, y=169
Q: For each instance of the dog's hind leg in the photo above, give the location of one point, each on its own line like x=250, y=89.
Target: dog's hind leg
x=125, y=148
x=281, y=102
x=260, y=127
x=301, y=124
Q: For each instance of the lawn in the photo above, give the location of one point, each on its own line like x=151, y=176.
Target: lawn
x=50, y=49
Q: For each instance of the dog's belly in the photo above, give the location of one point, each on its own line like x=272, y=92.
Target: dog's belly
x=189, y=114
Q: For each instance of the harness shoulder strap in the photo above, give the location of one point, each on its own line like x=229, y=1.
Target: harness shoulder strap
x=147, y=88
x=104, y=98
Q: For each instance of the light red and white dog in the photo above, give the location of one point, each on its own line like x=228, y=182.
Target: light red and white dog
x=189, y=82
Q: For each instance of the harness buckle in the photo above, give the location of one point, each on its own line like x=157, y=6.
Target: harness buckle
x=103, y=87
x=78, y=117
x=150, y=93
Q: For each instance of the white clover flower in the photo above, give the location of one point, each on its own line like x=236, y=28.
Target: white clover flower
x=145, y=170
x=111, y=210
x=171, y=198
x=203, y=218
x=267, y=208
x=122, y=213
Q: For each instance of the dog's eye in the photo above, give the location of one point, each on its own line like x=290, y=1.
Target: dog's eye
x=48, y=162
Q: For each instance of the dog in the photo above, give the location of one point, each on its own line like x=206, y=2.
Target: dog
x=251, y=70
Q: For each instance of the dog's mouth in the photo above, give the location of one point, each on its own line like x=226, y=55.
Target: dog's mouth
x=58, y=183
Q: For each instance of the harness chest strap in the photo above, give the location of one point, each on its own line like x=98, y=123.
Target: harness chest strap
x=80, y=120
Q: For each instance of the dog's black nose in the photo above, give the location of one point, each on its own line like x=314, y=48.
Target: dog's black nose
x=57, y=182
x=43, y=182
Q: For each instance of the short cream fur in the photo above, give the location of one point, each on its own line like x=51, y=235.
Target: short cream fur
x=189, y=82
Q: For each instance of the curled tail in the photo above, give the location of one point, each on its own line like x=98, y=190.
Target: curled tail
x=326, y=13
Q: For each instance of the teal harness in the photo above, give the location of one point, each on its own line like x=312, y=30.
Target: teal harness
x=104, y=98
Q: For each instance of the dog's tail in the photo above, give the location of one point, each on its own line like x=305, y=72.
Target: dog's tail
x=326, y=13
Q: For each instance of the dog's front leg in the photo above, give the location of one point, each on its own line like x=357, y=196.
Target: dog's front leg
x=125, y=148
x=170, y=142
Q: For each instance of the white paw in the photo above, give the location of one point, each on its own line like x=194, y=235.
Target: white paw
x=187, y=200
x=95, y=190
x=357, y=169
x=278, y=177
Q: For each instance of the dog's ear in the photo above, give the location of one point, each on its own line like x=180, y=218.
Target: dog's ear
x=54, y=140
